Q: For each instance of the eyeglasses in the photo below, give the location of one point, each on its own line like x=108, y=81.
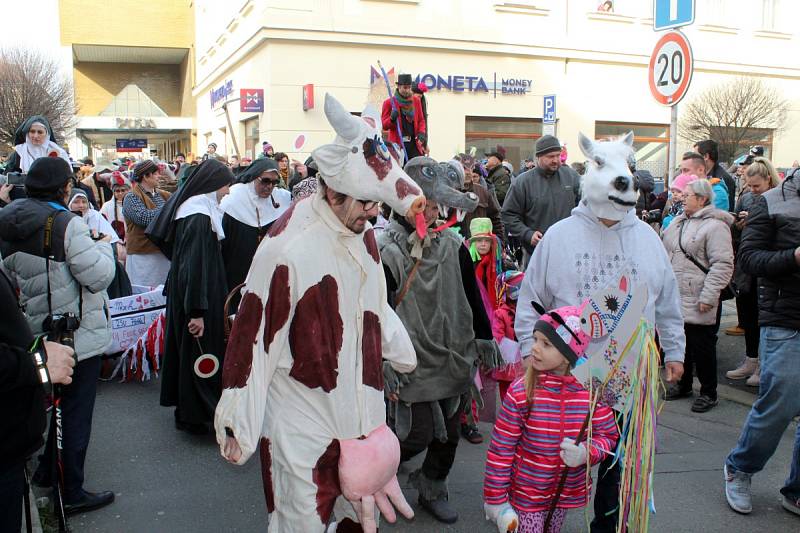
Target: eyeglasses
x=268, y=181
x=368, y=205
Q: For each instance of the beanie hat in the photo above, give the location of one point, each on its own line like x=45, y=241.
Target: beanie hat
x=212, y=144
x=118, y=179
x=562, y=327
x=48, y=174
x=145, y=167
x=681, y=181
x=510, y=283
x=547, y=144
x=480, y=228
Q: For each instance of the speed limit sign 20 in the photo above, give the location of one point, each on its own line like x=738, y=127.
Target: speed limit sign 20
x=671, y=67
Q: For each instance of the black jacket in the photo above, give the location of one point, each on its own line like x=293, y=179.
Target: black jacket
x=767, y=250
x=22, y=410
x=730, y=183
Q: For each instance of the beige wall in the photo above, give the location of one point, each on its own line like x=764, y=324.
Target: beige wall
x=158, y=23
x=97, y=83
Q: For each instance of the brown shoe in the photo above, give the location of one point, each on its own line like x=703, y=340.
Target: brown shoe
x=735, y=331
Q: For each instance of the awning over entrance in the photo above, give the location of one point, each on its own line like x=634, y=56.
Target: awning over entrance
x=166, y=135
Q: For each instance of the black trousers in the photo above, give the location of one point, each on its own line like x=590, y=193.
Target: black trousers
x=701, y=352
x=77, y=408
x=747, y=306
x=411, y=150
x=12, y=487
x=440, y=456
x=606, y=497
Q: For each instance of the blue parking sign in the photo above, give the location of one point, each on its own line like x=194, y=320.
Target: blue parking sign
x=672, y=13
x=549, y=111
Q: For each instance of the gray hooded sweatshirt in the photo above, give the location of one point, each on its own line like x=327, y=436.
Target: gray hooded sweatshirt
x=580, y=255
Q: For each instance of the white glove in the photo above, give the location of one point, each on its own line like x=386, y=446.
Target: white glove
x=503, y=516
x=572, y=454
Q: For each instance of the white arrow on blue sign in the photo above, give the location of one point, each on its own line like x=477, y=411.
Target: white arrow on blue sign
x=549, y=111
x=672, y=13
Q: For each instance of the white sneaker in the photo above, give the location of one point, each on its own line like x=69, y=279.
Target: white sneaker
x=737, y=491
x=748, y=367
x=755, y=379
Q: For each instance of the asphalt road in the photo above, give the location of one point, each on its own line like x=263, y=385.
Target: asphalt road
x=168, y=481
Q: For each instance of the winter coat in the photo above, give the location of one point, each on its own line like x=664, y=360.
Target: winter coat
x=768, y=246
x=537, y=201
x=730, y=184
x=391, y=125
x=503, y=327
x=706, y=236
x=80, y=270
x=499, y=180
x=523, y=466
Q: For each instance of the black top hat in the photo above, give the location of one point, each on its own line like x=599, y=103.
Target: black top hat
x=404, y=79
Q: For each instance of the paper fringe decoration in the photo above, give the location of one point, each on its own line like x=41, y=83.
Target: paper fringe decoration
x=636, y=448
x=143, y=358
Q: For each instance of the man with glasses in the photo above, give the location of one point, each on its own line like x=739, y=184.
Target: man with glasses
x=252, y=206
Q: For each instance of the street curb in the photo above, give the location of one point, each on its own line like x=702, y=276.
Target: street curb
x=733, y=394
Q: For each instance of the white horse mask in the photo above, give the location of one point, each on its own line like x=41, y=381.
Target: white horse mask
x=609, y=188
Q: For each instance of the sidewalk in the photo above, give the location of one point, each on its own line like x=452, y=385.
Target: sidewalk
x=167, y=481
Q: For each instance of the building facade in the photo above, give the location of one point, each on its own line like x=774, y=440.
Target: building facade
x=488, y=64
x=132, y=68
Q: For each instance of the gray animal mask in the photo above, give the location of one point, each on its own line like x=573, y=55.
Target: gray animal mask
x=442, y=183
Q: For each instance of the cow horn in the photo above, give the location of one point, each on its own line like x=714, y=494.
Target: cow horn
x=344, y=124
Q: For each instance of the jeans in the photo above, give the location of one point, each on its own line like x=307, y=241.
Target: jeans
x=777, y=403
x=701, y=351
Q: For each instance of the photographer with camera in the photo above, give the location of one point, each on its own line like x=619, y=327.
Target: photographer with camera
x=62, y=276
x=27, y=369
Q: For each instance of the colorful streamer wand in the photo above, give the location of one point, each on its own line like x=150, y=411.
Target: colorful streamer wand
x=395, y=109
x=636, y=447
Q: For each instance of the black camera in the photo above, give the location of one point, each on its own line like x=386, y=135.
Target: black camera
x=17, y=179
x=654, y=215
x=61, y=328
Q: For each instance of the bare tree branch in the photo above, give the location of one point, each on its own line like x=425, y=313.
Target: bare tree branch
x=33, y=84
x=735, y=114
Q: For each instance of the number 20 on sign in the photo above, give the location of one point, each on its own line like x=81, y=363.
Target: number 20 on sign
x=671, y=67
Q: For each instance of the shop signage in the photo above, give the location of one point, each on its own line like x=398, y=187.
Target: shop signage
x=126, y=123
x=308, y=96
x=251, y=100
x=463, y=83
x=131, y=145
x=221, y=93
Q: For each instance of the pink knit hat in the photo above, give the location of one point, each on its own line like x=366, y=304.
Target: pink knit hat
x=681, y=181
x=562, y=327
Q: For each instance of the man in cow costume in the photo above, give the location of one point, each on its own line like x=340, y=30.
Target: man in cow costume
x=598, y=243
x=303, y=374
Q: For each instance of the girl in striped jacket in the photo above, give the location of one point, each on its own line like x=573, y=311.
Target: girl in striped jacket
x=534, y=436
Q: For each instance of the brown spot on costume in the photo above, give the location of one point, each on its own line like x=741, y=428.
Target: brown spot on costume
x=381, y=166
x=372, y=351
x=280, y=224
x=403, y=188
x=266, y=473
x=239, y=354
x=326, y=477
x=276, y=312
x=372, y=245
x=315, y=336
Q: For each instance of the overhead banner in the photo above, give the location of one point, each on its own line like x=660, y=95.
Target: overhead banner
x=131, y=145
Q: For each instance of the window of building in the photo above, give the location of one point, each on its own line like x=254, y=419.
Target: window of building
x=251, y=145
x=132, y=102
x=755, y=137
x=517, y=135
x=650, y=143
x=716, y=12
x=772, y=18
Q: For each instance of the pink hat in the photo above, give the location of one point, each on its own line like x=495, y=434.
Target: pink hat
x=681, y=181
x=562, y=327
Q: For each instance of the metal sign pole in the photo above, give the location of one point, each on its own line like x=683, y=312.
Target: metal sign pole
x=673, y=143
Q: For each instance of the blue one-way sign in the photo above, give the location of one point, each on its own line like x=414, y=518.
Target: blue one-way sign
x=672, y=13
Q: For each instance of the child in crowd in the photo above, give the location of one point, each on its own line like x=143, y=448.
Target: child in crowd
x=534, y=436
x=486, y=252
x=676, y=189
x=503, y=329
x=112, y=209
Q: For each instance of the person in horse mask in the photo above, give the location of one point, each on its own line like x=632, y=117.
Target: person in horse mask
x=591, y=249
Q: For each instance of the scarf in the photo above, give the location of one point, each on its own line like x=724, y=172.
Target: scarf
x=406, y=106
x=676, y=209
x=203, y=204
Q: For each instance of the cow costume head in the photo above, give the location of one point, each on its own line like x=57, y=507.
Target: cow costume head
x=359, y=164
x=609, y=187
x=442, y=183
